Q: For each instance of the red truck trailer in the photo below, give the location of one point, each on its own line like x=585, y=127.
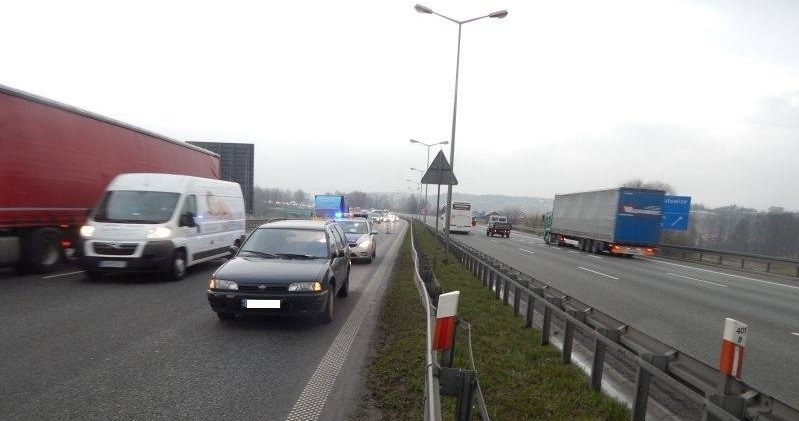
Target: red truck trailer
x=55, y=161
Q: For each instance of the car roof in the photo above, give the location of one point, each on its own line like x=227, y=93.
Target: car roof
x=297, y=224
x=352, y=219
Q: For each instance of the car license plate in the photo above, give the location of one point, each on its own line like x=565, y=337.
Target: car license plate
x=261, y=303
x=113, y=263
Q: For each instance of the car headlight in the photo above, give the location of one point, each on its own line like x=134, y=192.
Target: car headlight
x=365, y=244
x=305, y=286
x=223, y=284
x=158, y=232
x=86, y=231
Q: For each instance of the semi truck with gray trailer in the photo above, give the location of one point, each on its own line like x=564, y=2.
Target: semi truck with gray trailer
x=622, y=221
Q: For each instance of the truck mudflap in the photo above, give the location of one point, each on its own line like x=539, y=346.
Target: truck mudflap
x=632, y=250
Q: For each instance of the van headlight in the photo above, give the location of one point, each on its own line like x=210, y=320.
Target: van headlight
x=305, y=286
x=158, y=232
x=223, y=284
x=86, y=231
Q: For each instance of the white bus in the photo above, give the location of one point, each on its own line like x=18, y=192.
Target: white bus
x=460, y=219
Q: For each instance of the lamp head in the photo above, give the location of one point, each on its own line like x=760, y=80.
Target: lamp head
x=423, y=9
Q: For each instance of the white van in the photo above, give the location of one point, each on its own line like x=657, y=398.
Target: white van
x=161, y=223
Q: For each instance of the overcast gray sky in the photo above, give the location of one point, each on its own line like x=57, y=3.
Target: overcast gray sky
x=560, y=96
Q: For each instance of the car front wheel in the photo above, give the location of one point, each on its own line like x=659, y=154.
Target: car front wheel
x=327, y=314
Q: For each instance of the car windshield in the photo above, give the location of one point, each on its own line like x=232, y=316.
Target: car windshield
x=138, y=207
x=286, y=242
x=354, y=227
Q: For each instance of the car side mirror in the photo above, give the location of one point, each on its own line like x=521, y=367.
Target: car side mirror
x=187, y=220
x=374, y=232
x=338, y=253
x=233, y=251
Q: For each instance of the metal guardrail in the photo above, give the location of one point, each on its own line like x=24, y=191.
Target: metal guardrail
x=717, y=396
x=432, y=403
x=768, y=264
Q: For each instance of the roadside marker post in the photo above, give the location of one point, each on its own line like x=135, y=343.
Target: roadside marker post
x=446, y=316
x=733, y=344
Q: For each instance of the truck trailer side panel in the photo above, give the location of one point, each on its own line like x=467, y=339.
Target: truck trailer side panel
x=56, y=163
x=586, y=215
x=639, y=217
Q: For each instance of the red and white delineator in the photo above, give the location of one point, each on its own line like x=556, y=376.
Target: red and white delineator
x=732, y=348
x=446, y=317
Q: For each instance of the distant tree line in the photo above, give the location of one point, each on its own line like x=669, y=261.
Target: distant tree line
x=269, y=202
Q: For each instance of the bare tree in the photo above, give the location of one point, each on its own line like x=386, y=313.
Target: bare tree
x=654, y=184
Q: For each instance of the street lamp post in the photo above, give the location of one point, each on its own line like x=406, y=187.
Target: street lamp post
x=420, y=193
x=428, y=145
x=418, y=188
x=426, y=10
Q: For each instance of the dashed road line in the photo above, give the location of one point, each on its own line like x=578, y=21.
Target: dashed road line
x=722, y=273
x=527, y=251
x=697, y=280
x=62, y=274
x=495, y=241
x=795, y=333
x=573, y=251
x=595, y=257
x=598, y=273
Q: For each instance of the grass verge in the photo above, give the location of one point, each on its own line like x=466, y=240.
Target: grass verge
x=395, y=372
x=520, y=379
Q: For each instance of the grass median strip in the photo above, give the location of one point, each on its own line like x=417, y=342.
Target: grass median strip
x=395, y=373
x=520, y=379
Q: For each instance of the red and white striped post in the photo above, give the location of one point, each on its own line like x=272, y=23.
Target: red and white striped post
x=446, y=315
x=733, y=344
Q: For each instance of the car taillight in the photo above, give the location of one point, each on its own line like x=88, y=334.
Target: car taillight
x=66, y=244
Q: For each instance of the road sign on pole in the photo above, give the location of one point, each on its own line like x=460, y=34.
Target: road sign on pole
x=676, y=210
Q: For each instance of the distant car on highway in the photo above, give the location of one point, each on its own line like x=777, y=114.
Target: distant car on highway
x=377, y=217
x=360, y=235
x=292, y=267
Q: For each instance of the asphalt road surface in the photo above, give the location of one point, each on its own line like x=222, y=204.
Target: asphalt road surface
x=133, y=348
x=681, y=304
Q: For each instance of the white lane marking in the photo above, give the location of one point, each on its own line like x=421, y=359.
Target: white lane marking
x=62, y=274
x=598, y=273
x=794, y=333
x=722, y=273
x=595, y=257
x=527, y=251
x=314, y=396
x=697, y=280
x=494, y=241
x=573, y=251
x=541, y=245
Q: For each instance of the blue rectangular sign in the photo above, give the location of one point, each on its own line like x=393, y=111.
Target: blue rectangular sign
x=676, y=210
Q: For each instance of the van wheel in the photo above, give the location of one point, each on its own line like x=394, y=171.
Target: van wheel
x=177, y=270
x=327, y=315
x=42, y=249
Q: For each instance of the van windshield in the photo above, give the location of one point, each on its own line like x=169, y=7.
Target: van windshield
x=137, y=207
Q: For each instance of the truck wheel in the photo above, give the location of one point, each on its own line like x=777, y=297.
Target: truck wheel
x=177, y=270
x=42, y=249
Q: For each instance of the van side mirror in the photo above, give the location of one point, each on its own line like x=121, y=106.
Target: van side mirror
x=337, y=253
x=374, y=232
x=187, y=220
x=233, y=251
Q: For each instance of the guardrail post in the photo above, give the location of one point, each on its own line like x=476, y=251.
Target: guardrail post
x=642, y=383
x=598, y=364
x=568, y=337
x=498, y=284
x=528, y=321
x=491, y=275
x=768, y=267
x=547, y=324
x=506, y=292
